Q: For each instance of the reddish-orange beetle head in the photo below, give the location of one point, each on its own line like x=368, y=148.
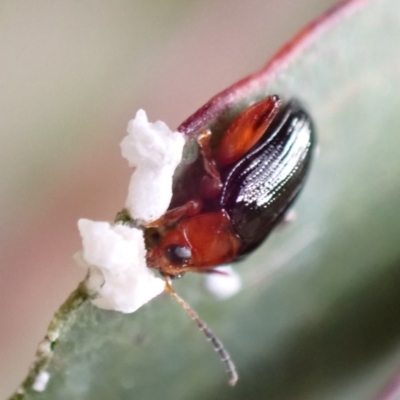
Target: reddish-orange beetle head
x=196, y=244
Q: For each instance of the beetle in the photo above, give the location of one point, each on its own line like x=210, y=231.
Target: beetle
x=248, y=181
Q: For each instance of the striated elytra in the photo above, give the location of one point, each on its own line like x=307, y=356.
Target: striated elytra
x=264, y=183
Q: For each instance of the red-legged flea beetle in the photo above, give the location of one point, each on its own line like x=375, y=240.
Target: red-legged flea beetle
x=249, y=180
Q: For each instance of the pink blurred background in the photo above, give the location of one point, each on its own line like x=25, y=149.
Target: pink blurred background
x=71, y=76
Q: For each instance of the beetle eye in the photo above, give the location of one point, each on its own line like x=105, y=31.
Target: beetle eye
x=176, y=254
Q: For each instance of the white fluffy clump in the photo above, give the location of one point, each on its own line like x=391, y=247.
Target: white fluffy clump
x=154, y=151
x=223, y=285
x=41, y=381
x=115, y=256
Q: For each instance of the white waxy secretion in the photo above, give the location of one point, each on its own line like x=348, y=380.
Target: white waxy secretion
x=41, y=381
x=154, y=151
x=115, y=254
x=223, y=285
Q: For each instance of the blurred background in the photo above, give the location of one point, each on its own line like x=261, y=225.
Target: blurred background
x=72, y=74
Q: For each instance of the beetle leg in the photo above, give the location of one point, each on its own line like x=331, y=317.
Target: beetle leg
x=189, y=209
x=209, y=271
x=205, y=149
x=211, y=184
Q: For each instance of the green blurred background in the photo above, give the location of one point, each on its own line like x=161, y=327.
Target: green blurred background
x=72, y=74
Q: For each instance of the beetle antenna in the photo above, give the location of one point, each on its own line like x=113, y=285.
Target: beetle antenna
x=217, y=344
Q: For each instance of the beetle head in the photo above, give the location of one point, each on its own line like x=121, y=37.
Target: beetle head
x=173, y=255
x=197, y=243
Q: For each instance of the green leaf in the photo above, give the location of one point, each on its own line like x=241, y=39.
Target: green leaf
x=318, y=317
